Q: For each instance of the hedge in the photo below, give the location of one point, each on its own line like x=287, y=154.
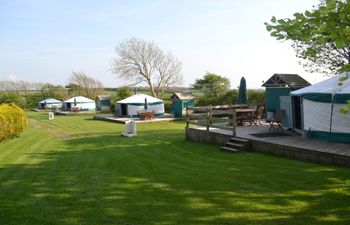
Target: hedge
x=12, y=121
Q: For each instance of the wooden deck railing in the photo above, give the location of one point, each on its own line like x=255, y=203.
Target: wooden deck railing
x=222, y=117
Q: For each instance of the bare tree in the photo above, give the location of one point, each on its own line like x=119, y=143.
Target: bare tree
x=92, y=87
x=139, y=61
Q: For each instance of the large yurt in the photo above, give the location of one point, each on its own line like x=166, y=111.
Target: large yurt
x=321, y=109
x=132, y=105
x=79, y=103
x=49, y=103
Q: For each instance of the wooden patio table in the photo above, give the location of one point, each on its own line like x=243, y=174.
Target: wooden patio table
x=240, y=115
x=147, y=115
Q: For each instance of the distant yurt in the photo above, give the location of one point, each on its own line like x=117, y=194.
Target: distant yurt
x=79, y=103
x=321, y=109
x=139, y=103
x=49, y=103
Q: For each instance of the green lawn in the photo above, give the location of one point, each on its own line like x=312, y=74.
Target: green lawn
x=74, y=170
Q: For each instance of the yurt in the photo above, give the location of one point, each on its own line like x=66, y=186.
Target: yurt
x=132, y=105
x=49, y=103
x=321, y=105
x=79, y=103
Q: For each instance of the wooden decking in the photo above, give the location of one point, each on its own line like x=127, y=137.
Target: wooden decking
x=292, y=145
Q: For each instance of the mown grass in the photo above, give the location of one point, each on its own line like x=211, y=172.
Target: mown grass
x=74, y=170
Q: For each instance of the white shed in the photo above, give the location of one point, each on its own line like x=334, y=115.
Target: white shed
x=138, y=103
x=79, y=103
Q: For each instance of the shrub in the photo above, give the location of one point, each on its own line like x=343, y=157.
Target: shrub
x=123, y=92
x=167, y=106
x=256, y=97
x=229, y=97
x=12, y=97
x=12, y=121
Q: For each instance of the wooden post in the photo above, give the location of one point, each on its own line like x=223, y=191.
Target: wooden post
x=208, y=118
x=234, y=122
x=187, y=118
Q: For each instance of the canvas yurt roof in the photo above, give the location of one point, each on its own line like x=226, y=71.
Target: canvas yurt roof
x=324, y=90
x=140, y=99
x=50, y=101
x=79, y=99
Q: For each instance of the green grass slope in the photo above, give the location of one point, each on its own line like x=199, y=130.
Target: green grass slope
x=74, y=170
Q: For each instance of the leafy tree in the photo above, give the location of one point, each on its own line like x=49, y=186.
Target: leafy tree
x=139, y=61
x=123, y=92
x=74, y=89
x=321, y=36
x=256, y=96
x=212, y=85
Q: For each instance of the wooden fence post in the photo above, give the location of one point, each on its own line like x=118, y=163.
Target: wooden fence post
x=208, y=117
x=187, y=118
x=234, y=122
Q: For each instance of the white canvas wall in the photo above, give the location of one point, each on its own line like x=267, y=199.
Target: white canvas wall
x=90, y=106
x=317, y=117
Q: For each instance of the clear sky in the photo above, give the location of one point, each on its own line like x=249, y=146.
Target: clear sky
x=44, y=41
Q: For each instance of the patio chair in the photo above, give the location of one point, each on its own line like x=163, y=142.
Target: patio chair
x=276, y=121
x=257, y=117
x=141, y=115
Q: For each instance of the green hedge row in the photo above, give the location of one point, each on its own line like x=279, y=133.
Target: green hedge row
x=12, y=121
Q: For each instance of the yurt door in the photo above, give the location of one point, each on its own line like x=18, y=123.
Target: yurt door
x=297, y=111
x=124, y=109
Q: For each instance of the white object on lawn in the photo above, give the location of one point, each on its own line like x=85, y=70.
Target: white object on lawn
x=51, y=116
x=130, y=129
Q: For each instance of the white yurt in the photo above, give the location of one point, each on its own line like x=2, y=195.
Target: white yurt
x=79, y=103
x=49, y=103
x=132, y=105
x=321, y=109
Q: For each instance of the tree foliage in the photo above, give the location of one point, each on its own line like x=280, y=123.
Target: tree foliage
x=321, y=36
x=212, y=85
x=123, y=92
x=139, y=61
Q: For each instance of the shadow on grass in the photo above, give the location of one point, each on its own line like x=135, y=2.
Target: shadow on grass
x=158, y=178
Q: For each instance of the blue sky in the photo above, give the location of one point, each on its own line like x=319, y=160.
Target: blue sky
x=44, y=41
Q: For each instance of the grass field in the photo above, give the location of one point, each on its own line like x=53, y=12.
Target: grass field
x=74, y=170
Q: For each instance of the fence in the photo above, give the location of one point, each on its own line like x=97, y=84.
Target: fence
x=221, y=116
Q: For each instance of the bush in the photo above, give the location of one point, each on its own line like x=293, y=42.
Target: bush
x=12, y=121
x=256, y=97
x=123, y=92
x=167, y=106
x=12, y=97
x=228, y=98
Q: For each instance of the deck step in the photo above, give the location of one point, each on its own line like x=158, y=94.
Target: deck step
x=229, y=149
x=236, y=139
x=234, y=145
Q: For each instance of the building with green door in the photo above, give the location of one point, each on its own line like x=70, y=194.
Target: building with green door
x=280, y=85
x=103, y=103
x=180, y=101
